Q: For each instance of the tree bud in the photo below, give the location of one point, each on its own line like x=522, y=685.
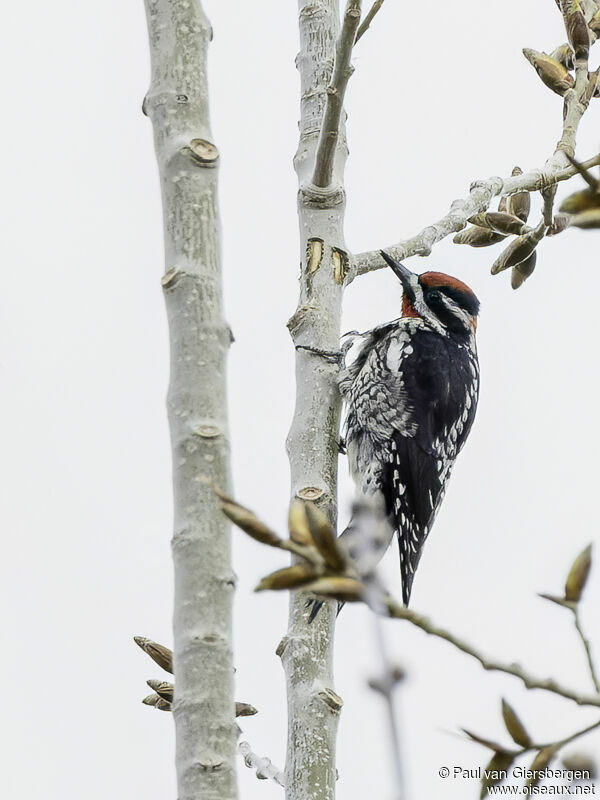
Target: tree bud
x=552, y=72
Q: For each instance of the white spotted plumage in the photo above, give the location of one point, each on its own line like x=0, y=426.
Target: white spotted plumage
x=411, y=394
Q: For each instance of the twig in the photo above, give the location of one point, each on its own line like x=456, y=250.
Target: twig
x=531, y=682
x=535, y=747
x=389, y=684
x=371, y=526
x=264, y=767
x=479, y=199
x=586, y=645
x=365, y=24
x=548, y=195
x=336, y=90
x=575, y=103
x=569, y=739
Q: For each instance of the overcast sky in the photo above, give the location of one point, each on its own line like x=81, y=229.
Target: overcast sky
x=441, y=96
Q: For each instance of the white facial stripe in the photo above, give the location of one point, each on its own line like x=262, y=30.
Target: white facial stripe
x=459, y=312
x=423, y=309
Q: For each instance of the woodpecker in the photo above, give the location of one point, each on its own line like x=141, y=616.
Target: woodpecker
x=411, y=395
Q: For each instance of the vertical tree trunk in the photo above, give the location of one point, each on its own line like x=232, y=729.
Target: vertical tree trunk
x=307, y=650
x=177, y=103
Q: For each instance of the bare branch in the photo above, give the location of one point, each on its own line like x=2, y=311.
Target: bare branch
x=336, y=90
x=577, y=735
x=365, y=24
x=371, y=525
x=264, y=767
x=387, y=686
x=587, y=647
x=576, y=101
x=531, y=682
x=307, y=650
x=530, y=746
x=479, y=199
x=548, y=196
x=177, y=104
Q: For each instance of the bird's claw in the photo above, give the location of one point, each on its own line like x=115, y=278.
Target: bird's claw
x=333, y=356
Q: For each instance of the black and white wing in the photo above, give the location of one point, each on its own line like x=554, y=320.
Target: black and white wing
x=410, y=408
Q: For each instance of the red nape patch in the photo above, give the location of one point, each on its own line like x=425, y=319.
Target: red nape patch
x=407, y=308
x=441, y=279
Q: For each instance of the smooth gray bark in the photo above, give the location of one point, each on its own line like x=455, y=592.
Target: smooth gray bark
x=177, y=103
x=307, y=650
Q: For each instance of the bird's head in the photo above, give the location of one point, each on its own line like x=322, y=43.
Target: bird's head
x=439, y=299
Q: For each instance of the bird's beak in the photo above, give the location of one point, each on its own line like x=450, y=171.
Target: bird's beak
x=407, y=278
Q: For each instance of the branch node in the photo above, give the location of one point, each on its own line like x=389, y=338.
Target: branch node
x=331, y=700
x=207, y=431
x=341, y=264
x=202, y=152
x=281, y=646
x=312, y=196
x=311, y=10
x=298, y=320
x=208, y=762
x=312, y=493
x=170, y=278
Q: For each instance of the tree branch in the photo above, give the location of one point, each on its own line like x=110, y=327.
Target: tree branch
x=177, y=103
x=587, y=647
x=336, y=90
x=370, y=525
x=531, y=682
x=568, y=739
x=548, y=196
x=387, y=687
x=264, y=767
x=307, y=650
x=482, y=192
x=551, y=748
x=479, y=199
x=365, y=24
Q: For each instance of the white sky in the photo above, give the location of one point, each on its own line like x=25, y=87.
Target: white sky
x=441, y=96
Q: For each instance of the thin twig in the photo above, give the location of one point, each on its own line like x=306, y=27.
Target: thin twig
x=482, y=192
x=479, y=199
x=531, y=682
x=536, y=747
x=336, y=90
x=372, y=526
x=548, y=196
x=568, y=739
x=263, y=765
x=586, y=645
x=388, y=694
x=364, y=25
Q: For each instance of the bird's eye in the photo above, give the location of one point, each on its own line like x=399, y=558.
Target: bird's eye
x=433, y=294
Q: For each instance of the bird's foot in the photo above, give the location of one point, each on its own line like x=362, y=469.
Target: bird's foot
x=333, y=356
